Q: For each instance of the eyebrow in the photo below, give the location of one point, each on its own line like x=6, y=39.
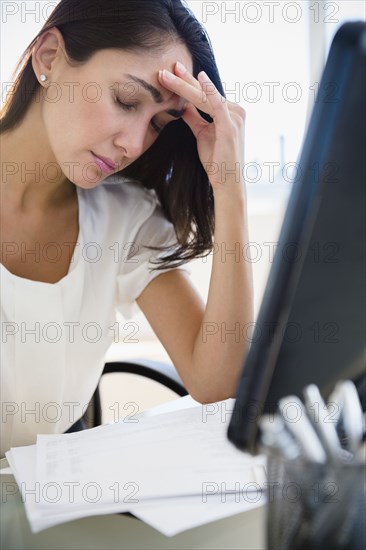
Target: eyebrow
x=155, y=94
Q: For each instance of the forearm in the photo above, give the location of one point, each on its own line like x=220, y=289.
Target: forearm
x=222, y=341
x=216, y=360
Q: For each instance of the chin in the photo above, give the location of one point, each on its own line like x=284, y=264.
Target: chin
x=88, y=179
x=89, y=185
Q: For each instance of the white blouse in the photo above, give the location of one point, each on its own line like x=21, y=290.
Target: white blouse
x=55, y=336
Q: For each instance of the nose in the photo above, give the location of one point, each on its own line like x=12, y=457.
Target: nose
x=133, y=140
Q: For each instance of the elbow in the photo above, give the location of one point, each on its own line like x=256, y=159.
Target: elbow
x=212, y=388
x=206, y=398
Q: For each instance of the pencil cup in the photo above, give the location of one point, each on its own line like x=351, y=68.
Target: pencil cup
x=315, y=506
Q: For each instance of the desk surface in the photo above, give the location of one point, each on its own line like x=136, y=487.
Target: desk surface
x=244, y=531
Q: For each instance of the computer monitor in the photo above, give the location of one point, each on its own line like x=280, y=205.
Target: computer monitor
x=311, y=325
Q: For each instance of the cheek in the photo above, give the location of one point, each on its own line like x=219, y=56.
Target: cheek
x=77, y=121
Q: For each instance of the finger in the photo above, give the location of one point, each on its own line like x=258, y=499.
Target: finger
x=191, y=92
x=218, y=103
x=206, y=84
x=202, y=93
x=194, y=120
x=183, y=73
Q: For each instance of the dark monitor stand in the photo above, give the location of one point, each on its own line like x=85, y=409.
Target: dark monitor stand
x=311, y=325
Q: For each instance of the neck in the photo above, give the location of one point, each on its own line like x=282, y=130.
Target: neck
x=30, y=175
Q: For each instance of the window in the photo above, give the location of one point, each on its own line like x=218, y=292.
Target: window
x=262, y=52
x=271, y=55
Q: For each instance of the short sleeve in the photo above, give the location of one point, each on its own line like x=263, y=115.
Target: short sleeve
x=136, y=269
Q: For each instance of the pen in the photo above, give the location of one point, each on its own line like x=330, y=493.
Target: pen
x=326, y=430
x=276, y=439
x=345, y=396
x=302, y=429
x=360, y=456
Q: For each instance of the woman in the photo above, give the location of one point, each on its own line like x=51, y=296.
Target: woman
x=121, y=161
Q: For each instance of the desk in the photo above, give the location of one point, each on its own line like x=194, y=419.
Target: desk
x=244, y=531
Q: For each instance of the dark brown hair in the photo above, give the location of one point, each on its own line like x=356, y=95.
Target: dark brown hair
x=171, y=166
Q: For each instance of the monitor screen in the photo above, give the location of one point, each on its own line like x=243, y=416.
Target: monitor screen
x=311, y=325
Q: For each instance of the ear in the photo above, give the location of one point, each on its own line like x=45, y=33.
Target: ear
x=47, y=52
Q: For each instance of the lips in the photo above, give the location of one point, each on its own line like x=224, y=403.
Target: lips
x=104, y=163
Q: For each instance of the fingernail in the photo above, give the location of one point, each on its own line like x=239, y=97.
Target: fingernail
x=203, y=75
x=181, y=68
x=168, y=75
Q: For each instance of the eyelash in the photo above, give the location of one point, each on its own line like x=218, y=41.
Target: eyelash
x=129, y=107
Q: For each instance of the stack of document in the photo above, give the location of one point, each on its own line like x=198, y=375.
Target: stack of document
x=173, y=470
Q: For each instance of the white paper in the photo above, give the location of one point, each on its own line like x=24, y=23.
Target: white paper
x=171, y=454
x=173, y=470
x=174, y=515
x=23, y=459
x=186, y=402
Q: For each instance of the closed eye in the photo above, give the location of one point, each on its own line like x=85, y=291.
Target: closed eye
x=131, y=106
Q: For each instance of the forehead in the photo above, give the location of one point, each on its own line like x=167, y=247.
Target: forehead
x=122, y=61
x=137, y=71
x=173, y=53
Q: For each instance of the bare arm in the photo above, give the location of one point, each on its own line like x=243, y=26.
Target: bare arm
x=207, y=344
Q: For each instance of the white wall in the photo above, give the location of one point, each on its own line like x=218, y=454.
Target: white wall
x=270, y=56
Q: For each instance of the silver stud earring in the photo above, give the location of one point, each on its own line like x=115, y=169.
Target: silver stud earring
x=43, y=78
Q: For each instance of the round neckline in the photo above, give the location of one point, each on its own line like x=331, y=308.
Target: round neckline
x=73, y=263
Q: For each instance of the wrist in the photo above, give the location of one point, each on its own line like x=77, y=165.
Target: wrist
x=233, y=196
